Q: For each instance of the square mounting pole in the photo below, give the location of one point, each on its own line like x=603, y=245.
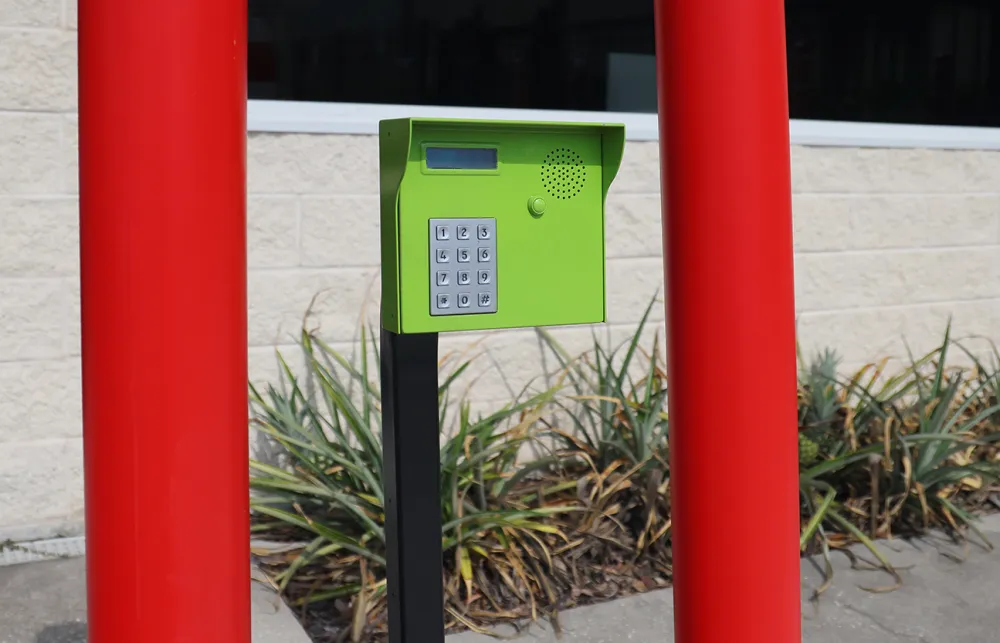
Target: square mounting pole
x=485, y=224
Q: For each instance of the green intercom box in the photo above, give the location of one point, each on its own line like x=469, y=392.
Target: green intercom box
x=494, y=224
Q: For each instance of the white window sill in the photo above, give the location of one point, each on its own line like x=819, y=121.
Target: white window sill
x=361, y=118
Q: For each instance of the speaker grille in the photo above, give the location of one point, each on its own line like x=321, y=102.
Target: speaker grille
x=563, y=173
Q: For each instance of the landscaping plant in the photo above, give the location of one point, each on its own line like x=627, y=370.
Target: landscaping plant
x=911, y=451
x=513, y=550
x=615, y=445
x=586, y=515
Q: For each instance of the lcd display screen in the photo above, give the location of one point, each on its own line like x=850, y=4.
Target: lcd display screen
x=461, y=158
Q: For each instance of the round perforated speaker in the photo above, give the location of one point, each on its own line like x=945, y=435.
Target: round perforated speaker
x=563, y=173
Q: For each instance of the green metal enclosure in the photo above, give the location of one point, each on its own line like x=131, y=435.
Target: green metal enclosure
x=494, y=224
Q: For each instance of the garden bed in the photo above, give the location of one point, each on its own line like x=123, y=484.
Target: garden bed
x=561, y=497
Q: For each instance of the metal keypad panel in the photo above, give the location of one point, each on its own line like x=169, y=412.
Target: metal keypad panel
x=463, y=266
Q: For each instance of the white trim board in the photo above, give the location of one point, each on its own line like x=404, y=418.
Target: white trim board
x=362, y=118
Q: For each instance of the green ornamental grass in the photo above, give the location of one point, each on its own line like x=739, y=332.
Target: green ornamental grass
x=561, y=496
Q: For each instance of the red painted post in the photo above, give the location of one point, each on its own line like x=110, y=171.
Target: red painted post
x=163, y=280
x=724, y=146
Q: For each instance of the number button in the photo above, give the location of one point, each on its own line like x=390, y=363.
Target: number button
x=462, y=232
x=464, y=300
x=442, y=233
x=485, y=277
x=485, y=299
x=443, y=278
x=485, y=256
x=464, y=278
x=464, y=256
x=443, y=255
x=483, y=232
x=444, y=301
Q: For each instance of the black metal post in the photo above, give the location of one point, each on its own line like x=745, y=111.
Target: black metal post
x=412, y=461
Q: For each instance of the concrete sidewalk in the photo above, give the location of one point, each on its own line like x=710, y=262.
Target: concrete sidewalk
x=942, y=600
x=45, y=602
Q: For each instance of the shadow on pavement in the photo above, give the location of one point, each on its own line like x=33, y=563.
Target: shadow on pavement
x=63, y=633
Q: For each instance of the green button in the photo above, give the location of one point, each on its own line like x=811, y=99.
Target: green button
x=536, y=206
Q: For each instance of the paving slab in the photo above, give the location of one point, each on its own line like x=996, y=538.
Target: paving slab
x=46, y=602
x=949, y=595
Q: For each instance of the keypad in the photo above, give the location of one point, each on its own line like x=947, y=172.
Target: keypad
x=463, y=271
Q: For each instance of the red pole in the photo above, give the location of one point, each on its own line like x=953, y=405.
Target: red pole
x=724, y=147
x=163, y=274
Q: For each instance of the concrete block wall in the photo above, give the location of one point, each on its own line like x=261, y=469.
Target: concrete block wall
x=40, y=447
x=889, y=244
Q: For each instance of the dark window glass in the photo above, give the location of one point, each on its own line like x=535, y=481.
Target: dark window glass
x=540, y=54
x=913, y=61
x=904, y=61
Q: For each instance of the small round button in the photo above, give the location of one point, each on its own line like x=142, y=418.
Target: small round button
x=536, y=206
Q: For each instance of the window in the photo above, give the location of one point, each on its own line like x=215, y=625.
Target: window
x=931, y=62
x=533, y=54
